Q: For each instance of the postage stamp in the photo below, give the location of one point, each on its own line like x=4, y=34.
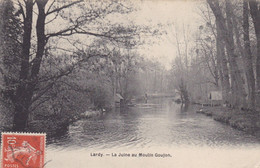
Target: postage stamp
x=23, y=150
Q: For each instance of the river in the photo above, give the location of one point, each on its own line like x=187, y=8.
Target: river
x=158, y=126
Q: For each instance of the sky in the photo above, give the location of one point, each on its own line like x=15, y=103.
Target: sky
x=173, y=15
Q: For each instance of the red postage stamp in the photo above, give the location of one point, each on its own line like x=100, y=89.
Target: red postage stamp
x=23, y=150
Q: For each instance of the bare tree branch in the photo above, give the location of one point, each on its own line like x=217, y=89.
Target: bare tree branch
x=38, y=104
x=50, y=6
x=63, y=7
x=65, y=72
x=55, y=17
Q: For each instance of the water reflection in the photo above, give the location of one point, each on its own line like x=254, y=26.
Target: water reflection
x=159, y=122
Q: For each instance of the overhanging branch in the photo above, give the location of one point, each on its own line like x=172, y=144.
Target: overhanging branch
x=63, y=7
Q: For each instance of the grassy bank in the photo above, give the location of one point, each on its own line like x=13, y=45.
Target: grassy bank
x=247, y=121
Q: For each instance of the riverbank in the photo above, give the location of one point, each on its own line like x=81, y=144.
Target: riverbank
x=248, y=121
x=58, y=125
x=52, y=124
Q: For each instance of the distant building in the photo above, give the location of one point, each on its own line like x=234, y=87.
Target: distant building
x=215, y=97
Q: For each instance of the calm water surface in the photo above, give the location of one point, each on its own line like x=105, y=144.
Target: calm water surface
x=157, y=123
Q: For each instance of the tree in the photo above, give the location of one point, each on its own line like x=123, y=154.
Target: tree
x=255, y=14
x=237, y=89
x=223, y=69
x=182, y=68
x=11, y=47
x=237, y=81
x=180, y=80
x=27, y=91
x=248, y=57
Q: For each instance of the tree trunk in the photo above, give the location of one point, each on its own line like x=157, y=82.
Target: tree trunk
x=237, y=97
x=183, y=92
x=223, y=68
x=27, y=84
x=237, y=89
x=248, y=58
x=246, y=55
x=255, y=14
x=21, y=97
x=41, y=39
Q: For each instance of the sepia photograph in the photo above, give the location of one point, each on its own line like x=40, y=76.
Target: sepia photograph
x=130, y=83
